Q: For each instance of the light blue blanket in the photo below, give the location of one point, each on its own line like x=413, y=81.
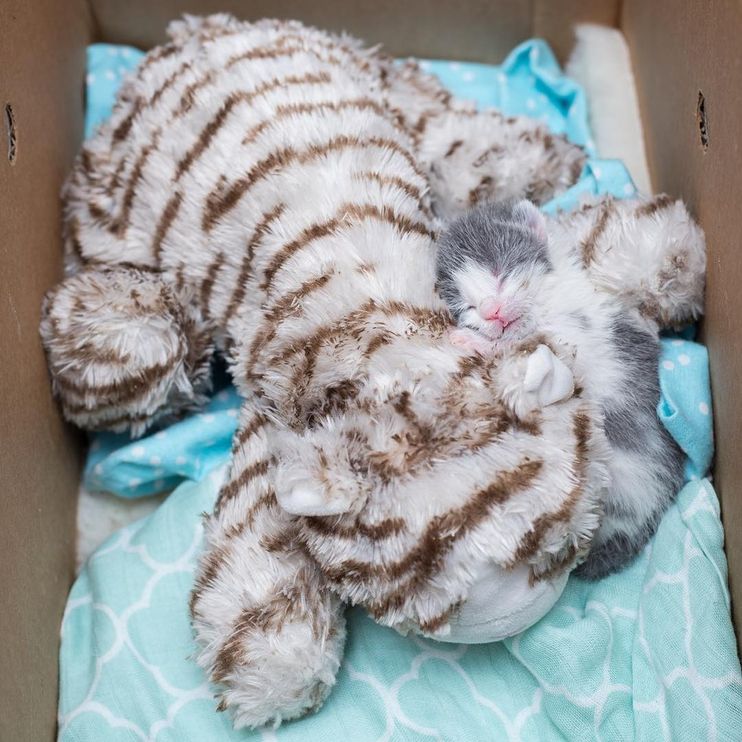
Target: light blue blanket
x=648, y=654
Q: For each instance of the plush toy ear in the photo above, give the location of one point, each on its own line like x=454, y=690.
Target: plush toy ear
x=533, y=218
x=313, y=474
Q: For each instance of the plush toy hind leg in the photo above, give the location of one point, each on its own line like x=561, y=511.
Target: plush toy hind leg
x=123, y=351
x=471, y=155
x=270, y=632
x=485, y=156
x=649, y=252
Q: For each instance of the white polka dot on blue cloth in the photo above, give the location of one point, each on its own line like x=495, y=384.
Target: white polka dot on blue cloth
x=155, y=460
x=683, y=359
x=180, y=460
x=703, y=408
x=138, y=451
x=668, y=365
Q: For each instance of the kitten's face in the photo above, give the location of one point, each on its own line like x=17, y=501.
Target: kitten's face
x=493, y=304
x=491, y=263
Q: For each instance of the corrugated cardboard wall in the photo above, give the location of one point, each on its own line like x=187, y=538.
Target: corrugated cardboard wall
x=685, y=52
x=42, y=56
x=478, y=30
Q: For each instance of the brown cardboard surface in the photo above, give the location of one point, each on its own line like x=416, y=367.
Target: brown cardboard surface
x=479, y=30
x=42, y=47
x=554, y=20
x=680, y=50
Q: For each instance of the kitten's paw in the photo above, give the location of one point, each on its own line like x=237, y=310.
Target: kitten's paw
x=471, y=341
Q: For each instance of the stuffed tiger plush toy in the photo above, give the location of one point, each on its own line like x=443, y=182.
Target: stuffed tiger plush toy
x=273, y=192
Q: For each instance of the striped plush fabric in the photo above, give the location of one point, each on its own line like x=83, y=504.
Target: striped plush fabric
x=273, y=192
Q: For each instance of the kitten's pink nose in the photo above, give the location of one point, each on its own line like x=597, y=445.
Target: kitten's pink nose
x=490, y=309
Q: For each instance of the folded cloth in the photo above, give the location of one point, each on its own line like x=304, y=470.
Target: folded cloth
x=647, y=654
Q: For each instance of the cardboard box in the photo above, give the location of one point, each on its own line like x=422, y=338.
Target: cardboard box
x=687, y=58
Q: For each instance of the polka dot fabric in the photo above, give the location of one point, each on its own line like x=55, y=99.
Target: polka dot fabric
x=685, y=407
x=107, y=65
x=186, y=450
x=648, y=654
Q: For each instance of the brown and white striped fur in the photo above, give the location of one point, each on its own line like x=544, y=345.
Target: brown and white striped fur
x=267, y=188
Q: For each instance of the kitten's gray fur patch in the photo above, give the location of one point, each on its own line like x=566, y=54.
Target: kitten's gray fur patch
x=582, y=320
x=494, y=235
x=633, y=425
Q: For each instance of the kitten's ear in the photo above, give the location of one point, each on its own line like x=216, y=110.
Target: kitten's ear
x=533, y=217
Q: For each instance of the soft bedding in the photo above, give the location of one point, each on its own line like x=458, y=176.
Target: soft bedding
x=646, y=654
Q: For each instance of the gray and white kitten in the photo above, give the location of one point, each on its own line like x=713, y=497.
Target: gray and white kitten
x=503, y=281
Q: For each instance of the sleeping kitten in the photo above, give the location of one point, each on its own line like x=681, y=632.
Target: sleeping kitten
x=503, y=282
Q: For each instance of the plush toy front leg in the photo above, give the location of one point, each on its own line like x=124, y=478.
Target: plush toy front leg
x=123, y=351
x=650, y=252
x=531, y=377
x=270, y=632
x=484, y=156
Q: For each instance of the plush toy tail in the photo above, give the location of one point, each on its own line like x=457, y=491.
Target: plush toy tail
x=123, y=350
x=270, y=632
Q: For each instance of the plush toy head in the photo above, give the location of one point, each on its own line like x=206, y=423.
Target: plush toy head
x=426, y=488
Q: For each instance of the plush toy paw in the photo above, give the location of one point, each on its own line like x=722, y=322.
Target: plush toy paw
x=535, y=381
x=122, y=350
x=547, y=377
